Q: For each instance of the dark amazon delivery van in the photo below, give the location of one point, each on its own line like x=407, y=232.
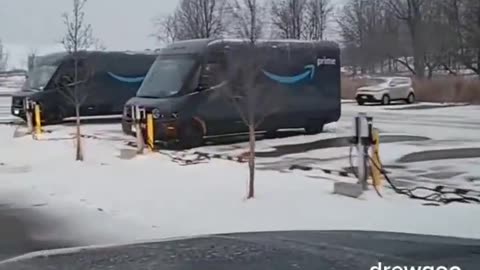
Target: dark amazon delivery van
x=194, y=88
x=105, y=82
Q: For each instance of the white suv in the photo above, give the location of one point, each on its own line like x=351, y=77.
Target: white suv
x=385, y=90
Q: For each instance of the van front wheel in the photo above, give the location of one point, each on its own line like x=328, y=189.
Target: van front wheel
x=54, y=118
x=190, y=136
x=49, y=117
x=271, y=134
x=314, y=129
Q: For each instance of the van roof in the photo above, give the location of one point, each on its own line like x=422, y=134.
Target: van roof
x=274, y=41
x=64, y=53
x=197, y=45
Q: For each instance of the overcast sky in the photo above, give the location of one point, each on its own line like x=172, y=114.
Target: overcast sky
x=36, y=25
x=120, y=24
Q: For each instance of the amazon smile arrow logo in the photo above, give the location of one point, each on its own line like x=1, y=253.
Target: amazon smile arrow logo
x=126, y=79
x=308, y=73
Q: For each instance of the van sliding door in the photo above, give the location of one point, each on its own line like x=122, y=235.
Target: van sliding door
x=218, y=108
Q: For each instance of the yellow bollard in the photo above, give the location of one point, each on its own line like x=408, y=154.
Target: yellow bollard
x=375, y=162
x=38, y=120
x=150, y=133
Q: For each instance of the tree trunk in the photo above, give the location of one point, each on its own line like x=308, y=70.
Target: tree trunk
x=406, y=65
x=430, y=73
x=418, y=52
x=419, y=63
x=251, y=161
x=79, y=152
x=478, y=62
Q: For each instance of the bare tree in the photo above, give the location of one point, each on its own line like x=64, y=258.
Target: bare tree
x=318, y=15
x=247, y=88
x=412, y=12
x=249, y=97
x=360, y=27
x=441, y=45
x=78, y=38
x=193, y=19
x=470, y=53
x=394, y=42
x=248, y=19
x=32, y=54
x=288, y=17
x=349, y=22
x=3, y=57
x=454, y=12
x=373, y=36
x=98, y=45
x=435, y=34
x=168, y=28
x=449, y=26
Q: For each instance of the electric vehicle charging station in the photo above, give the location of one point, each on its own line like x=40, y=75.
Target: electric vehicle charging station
x=138, y=114
x=28, y=107
x=362, y=139
x=33, y=112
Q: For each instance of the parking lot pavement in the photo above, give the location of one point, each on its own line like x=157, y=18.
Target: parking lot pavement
x=19, y=230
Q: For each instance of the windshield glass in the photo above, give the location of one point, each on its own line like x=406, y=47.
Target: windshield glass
x=166, y=76
x=39, y=76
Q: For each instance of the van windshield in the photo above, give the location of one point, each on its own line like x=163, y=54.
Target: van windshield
x=39, y=76
x=166, y=76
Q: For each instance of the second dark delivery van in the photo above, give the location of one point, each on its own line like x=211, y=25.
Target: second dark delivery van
x=105, y=82
x=197, y=88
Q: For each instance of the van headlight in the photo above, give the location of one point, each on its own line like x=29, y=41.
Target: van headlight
x=156, y=114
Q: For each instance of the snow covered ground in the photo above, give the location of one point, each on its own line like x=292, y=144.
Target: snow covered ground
x=151, y=197
x=9, y=84
x=110, y=199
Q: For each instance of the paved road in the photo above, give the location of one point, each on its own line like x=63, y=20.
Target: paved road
x=272, y=251
x=19, y=229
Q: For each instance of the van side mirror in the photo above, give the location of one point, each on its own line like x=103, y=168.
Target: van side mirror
x=201, y=87
x=204, y=83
